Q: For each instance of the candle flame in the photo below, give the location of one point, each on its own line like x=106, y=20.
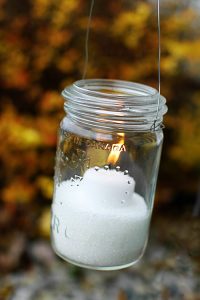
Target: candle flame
x=116, y=150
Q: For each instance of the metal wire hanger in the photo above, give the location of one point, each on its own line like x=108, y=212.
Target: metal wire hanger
x=154, y=125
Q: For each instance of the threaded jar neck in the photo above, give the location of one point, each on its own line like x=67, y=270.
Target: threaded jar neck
x=114, y=105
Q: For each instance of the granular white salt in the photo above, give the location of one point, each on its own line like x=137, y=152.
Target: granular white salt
x=99, y=221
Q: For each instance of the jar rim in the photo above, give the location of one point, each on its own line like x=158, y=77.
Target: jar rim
x=114, y=104
x=121, y=89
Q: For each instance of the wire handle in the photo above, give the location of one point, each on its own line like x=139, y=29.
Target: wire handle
x=153, y=127
x=87, y=39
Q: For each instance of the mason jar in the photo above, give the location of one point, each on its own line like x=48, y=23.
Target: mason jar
x=106, y=170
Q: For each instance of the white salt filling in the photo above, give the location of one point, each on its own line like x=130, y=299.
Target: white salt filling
x=100, y=221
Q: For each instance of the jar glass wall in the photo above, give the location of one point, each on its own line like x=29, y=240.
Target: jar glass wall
x=105, y=178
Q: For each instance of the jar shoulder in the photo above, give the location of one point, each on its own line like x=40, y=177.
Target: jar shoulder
x=138, y=137
x=89, y=133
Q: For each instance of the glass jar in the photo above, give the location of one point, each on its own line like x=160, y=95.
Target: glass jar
x=106, y=170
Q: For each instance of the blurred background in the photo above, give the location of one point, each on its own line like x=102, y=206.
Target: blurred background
x=41, y=51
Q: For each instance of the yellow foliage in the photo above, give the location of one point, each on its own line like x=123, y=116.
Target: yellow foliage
x=66, y=62
x=48, y=130
x=14, y=66
x=44, y=223
x=187, y=146
x=63, y=12
x=40, y=7
x=18, y=191
x=45, y=185
x=169, y=65
x=41, y=55
x=130, y=25
x=58, y=38
x=42, y=58
x=179, y=23
x=51, y=101
x=184, y=49
x=15, y=132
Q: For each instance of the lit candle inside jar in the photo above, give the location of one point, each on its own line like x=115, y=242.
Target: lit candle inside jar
x=98, y=220
x=108, y=188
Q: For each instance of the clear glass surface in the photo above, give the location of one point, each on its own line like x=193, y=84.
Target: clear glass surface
x=96, y=228
x=106, y=170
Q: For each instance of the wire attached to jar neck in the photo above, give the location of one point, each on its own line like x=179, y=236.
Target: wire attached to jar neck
x=159, y=47
x=153, y=127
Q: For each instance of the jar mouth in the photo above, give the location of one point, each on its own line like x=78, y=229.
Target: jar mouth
x=114, y=104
